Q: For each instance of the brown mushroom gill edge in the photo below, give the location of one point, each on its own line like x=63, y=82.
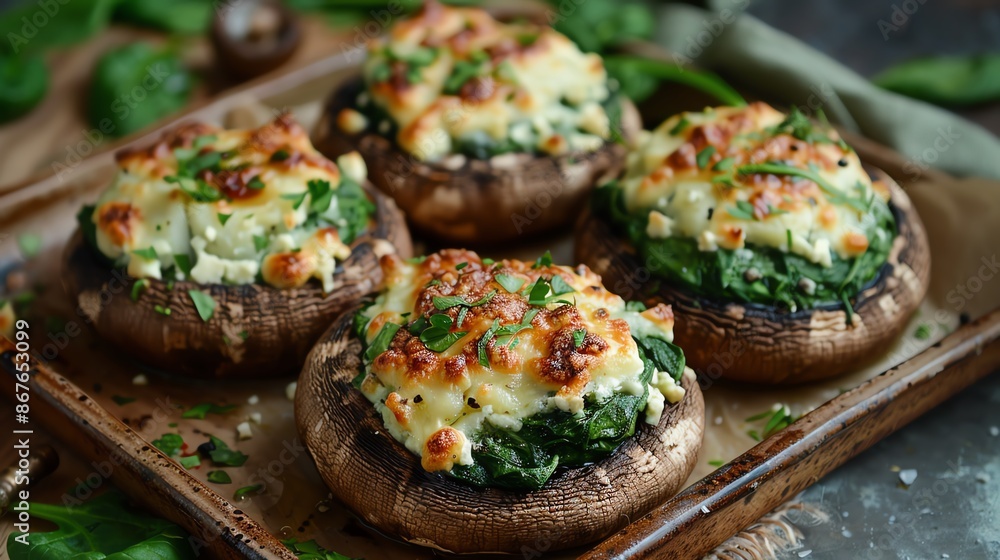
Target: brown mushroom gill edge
x=466, y=200
x=141, y=470
x=766, y=344
x=386, y=486
x=256, y=330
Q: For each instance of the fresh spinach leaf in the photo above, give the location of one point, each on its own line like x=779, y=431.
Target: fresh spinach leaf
x=946, y=80
x=105, y=527
x=758, y=274
x=159, y=73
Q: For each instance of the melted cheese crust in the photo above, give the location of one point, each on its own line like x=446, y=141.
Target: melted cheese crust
x=434, y=402
x=665, y=181
x=534, y=85
x=248, y=231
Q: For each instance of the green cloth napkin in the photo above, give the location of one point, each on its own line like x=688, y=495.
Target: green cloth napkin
x=748, y=52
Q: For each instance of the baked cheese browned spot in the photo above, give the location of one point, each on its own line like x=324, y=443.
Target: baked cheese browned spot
x=450, y=74
x=686, y=175
x=245, y=213
x=550, y=356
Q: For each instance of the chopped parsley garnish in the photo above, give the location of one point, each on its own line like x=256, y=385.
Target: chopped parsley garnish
x=189, y=461
x=223, y=218
x=544, y=260
x=197, y=189
x=923, y=332
x=255, y=183
x=183, y=263
x=461, y=265
x=578, y=336
x=679, y=127
x=260, y=242
x=162, y=310
x=29, y=244
x=280, y=155
x=484, y=341
x=778, y=418
x=544, y=292
x=438, y=337
x=222, y=455
x=169, y=444
x=381, y=341
x=147, y=253
x=416, y=260
x=138, y=287
x=203, y=303
x=509, y=283
x=704, y=156
x=201, y=410
x=724, y=164
x=320, y=196
x=219, y=477
x=465, y=70
x=447, y=302
x=297, y=199
x=247, y=490
x=122, y=401
x=743, y=211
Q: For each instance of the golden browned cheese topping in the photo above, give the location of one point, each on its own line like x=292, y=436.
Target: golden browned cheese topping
x=454, y=74
x=730, y=176
x=459, y=341
x=231, y=205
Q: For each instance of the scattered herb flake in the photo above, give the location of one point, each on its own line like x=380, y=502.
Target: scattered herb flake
x=29, y=244
x=147, y=253
x=297, y=199
x=679, y=127
x=138, y=287
x=162, y=310
x=223, y=218
x=724, y=164
x=183, y=263
x=578, y=336
x=169, y=444
x=544, y=260
x=201, y=410
x=705, y=156
x=381, y=341
x=260, y=243
x=509, y=283
x=204, y=303
x=222, y=455
x=189, y=461
x=219, y=477
x=923, y=332
x=247, y=490
x=122, y=401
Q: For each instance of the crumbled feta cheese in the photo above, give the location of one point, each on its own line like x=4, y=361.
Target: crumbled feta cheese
x=290, y=390
x=659, y=226
x=707, y=241
x=243, y=431
x=254, y=399
x=140, y=380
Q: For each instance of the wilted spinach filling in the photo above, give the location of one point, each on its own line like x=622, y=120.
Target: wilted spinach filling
x=757, y=274
x=484, y=146
x=527, y=458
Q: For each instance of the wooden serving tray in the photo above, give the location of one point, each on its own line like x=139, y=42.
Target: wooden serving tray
x=77, y=381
